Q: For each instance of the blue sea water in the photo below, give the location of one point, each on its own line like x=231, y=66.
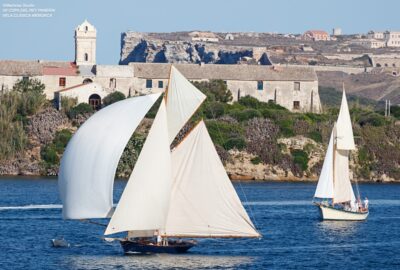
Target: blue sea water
x=293, y=235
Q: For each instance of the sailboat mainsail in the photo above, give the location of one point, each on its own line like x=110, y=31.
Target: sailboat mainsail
x=334, y=182
x=143, y=206
x=91, y=158
x=204, y=202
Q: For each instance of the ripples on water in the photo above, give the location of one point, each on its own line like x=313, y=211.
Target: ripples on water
x=30, y=216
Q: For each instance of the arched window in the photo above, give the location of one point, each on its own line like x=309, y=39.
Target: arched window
x=87, y=80
x=95, y=101
x=86, y=57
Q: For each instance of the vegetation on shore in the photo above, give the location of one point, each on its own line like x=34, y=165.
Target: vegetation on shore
x=248, y=125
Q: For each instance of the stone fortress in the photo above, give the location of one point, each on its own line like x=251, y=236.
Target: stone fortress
x=295, y=88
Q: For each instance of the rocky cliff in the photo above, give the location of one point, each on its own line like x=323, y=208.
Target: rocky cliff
x=142, y=47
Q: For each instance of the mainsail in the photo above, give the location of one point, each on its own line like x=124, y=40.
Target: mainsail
x=143, y=206
x=91, y=158
x=183, y=99
x=204, y=202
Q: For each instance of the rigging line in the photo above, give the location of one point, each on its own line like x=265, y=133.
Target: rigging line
x=92, y=222
x=252, y=216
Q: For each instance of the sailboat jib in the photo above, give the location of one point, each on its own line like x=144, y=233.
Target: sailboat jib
x=143, y=206
x=91, y=158
x=325, y=183
x=183, y=99
x=344, y=130
x=343, y=189
x=203, y=201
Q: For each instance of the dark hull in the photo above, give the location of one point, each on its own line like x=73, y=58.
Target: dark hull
x=134, y=247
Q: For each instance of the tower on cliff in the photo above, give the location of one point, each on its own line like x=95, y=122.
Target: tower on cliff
x=85, y=44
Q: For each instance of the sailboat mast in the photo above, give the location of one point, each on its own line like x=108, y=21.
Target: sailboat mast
x=333, y=160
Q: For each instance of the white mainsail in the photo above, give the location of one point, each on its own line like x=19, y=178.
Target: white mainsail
x=183, y=99
x=143, y=206
x=204, y=202
x=325, y=183
x=91, y=158
x=344, y=130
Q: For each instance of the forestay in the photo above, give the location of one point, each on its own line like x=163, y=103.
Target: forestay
x=344, y=130
x=203, y=201
x=183, y=99
x=325, y=182
x=91, y=158
x=143, y=206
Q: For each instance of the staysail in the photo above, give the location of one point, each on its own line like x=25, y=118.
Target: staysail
x=183, y=99
x=143, y=206
x=325, y=183
x=203, y=201
x=91, y=158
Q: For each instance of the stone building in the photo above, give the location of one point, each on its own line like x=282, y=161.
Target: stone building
x=295, y=88
x=316, y=35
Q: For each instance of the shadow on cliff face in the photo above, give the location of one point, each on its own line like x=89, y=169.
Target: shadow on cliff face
x=138, y=54
x=160, y=57
x=205, y=57
x=233, y=57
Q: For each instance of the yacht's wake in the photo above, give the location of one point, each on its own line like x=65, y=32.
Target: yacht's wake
x=31, y=207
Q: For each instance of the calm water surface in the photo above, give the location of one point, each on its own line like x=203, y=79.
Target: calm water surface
x=30, y=216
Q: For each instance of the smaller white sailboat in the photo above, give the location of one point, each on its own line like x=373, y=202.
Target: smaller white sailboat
x=334, y=195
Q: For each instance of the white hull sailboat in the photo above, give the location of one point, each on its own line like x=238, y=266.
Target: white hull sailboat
x=334, y=195
x=170, y=195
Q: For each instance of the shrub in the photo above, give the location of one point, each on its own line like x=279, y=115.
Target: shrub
x=255, y=160
x=245, y=115
x=113, y=97
x=216, y=90
x=315, y=135
x=373, y=119
x=286, y=127
x=238, y=143
x=214, y=110
x=61, y=140
x=300, y=158
x=49, y=154
x=67, y=103
x=81, y=108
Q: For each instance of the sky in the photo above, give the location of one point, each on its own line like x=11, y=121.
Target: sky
x=51, y=38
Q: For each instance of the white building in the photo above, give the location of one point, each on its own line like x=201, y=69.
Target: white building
x=295, y=88
x=392, y=38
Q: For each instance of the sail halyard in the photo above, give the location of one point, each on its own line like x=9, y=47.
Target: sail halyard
x=143, y=207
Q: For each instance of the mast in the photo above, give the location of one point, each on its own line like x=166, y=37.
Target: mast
x=333, y=160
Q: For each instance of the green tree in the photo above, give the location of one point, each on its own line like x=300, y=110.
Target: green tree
x=216, y=90
x=113, y=97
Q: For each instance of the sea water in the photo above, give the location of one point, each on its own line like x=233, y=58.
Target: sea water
x=293, y=235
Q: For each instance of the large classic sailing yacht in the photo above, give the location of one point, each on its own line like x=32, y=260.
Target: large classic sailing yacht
x=334, y=195
x=183, y=193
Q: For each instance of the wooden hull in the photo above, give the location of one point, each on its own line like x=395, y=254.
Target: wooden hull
x=134, y=247
x=330, y=213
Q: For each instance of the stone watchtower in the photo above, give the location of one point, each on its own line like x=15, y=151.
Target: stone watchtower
x=85, y=44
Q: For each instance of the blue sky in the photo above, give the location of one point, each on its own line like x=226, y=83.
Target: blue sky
x=52, y=38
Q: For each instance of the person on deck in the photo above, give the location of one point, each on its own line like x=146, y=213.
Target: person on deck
x=159, y=240
x=366, y=203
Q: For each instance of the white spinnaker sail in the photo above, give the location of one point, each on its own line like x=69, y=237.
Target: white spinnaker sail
x=342, y=185
x=143, y=206
x=344, y=130
x=91, y=158
x=325, y=183
x=203, y=201
x=183, y=99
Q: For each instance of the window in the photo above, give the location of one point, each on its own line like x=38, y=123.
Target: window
x=25, y=78
x=296, y=105
x=86, y=57
x=113, y=83
x=260, y=85
x=149, y=84
x=296, y=86
x=61, y=81
x=160, y=84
